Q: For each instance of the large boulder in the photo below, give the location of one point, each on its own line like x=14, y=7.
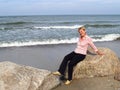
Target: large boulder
x=117, y=73
x=18, y=77
x=96, y=65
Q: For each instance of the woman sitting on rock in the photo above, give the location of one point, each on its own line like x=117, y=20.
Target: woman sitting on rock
x=77, y=55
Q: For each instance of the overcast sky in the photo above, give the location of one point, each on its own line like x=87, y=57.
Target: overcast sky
x=58, y=7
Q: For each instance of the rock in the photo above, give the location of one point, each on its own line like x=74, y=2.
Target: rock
x=117, y=76
x=117, y=73
x=96, y=65
x=17, y=77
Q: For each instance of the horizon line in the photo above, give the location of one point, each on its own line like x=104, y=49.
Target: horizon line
x=57, y=14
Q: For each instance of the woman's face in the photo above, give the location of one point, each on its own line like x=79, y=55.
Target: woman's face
x=82, y=32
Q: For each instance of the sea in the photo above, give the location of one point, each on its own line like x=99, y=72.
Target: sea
x=18, y=31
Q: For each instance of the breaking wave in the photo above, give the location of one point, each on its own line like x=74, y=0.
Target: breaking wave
x=109, y=37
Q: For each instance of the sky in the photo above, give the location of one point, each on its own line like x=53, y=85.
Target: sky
x=59, y=7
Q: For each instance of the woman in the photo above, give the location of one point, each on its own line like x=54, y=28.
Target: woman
x=77, y=55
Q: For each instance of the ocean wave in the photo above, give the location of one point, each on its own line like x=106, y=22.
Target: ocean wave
x=109, y=37
x=6, y=28
x=77, y=26
x=14, y=23
x=58, y=27
x=102, y=25
x=33, y=43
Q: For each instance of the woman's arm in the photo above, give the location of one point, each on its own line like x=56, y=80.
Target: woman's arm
x=94, y=47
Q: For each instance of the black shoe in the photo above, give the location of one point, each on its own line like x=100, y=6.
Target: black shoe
x=62, y=78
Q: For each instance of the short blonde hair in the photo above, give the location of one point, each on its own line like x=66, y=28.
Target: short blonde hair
x=82, y=27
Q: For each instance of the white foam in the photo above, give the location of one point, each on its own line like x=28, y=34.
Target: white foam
x=33, y=43
x=109, y=37
x=58, y=27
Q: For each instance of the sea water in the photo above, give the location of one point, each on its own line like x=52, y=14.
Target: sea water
x=56, y=29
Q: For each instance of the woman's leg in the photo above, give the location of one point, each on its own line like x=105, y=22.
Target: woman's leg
x=63, y=65
x=77, y=58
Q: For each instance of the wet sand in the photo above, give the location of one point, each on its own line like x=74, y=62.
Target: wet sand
x=46, y=56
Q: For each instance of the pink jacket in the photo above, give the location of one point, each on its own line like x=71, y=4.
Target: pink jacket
x=83, y=44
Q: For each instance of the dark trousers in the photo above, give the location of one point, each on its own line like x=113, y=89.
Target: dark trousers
x=71, y=59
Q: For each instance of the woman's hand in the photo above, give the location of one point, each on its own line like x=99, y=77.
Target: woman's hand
x=99, y=53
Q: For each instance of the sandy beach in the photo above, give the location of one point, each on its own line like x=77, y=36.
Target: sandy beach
x=96, y=83
x=50, y=56
x=46, y=56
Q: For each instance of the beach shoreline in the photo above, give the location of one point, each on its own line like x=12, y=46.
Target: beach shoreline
x=46, y=56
